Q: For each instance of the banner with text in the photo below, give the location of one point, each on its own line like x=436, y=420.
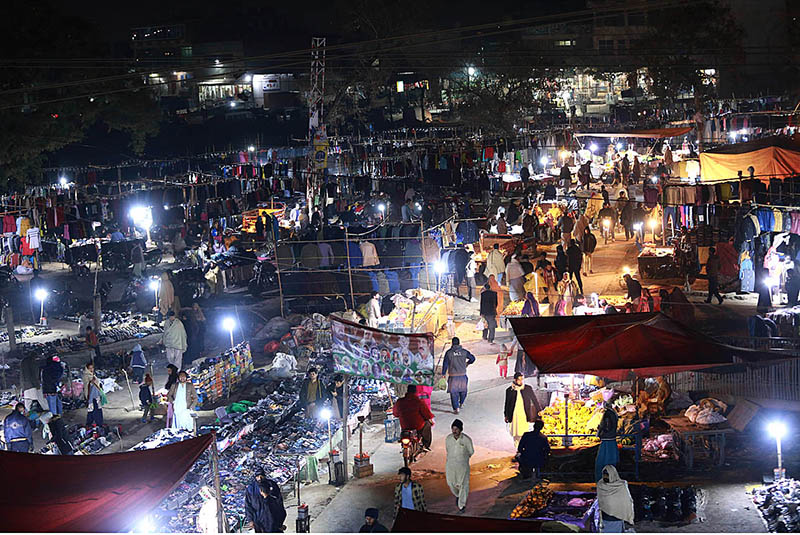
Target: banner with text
x=381, y=355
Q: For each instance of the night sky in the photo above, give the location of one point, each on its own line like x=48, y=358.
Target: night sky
x=291, y=24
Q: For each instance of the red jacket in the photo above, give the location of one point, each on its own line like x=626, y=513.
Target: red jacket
x=412, y=411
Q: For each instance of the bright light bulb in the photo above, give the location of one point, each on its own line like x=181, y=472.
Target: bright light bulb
x=440, y=267
x=233, y=104
x=325, y=414
x=471, y=71
x=619, y=146
x=248, y=78
x=228, y=323
x=251, y=148
x=382, y=207
x=154, y=284
x=544, y=160
x=41, y=294
x=63, y=181
x=776, y=429
x=593, y=147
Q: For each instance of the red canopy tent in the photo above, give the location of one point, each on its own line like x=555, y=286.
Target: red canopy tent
x=97, y=493
x=410, y=521
x=616, y=345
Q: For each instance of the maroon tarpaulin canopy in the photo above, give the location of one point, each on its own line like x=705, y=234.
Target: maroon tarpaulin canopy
x=615, y=345
x=411, y=521
x=90, y=493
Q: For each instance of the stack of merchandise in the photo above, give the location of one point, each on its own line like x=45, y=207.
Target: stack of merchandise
x=583, y=420
x=272, y=434
x=216, y=377
x=778, y=504
x=22, y=333
x=536, y=500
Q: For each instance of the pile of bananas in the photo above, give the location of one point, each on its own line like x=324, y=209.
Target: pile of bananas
x=536, y=500
x=514, y=308
x=579, y=423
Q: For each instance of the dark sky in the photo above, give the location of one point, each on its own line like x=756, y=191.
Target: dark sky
x=283, y=24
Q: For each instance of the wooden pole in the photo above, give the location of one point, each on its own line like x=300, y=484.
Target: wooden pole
x=221, y=520
x=424, y=256
x=349, y=268
x=280, y=285
x=12, y=339
x=345, y=428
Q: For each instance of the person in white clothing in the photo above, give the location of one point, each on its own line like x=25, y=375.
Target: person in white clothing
x=183, y=397
x=374, y=310
x=174, y=340
x=459, y=450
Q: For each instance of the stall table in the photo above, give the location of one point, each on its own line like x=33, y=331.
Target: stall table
x=689, y=438
x=652, y=261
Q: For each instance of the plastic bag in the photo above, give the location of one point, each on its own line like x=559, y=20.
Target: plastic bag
x=103, y=399
x=481, y=325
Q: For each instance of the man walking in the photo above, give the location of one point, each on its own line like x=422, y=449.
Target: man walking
x=712, y=269
x=488, y=312
x=521, y=407
x=408, y=494
x=459, y=450
x=174, y=340
x=495, y=264
x=93, y=343
x=589, y=244
x=532, y=451
x=454, y=366
x=18, y=430
x=574, y=263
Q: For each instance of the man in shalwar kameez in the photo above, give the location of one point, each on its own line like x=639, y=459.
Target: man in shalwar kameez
x=459, y=449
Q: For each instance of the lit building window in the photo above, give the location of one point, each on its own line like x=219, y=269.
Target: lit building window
x=567, y=42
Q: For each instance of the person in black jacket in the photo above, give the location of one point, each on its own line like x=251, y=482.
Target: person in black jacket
x=52, y=372
x=371, y=524
x=488, y=311
x=634, y=287
x=257, y=509
x=588, y=245
x=146, y=398
x=562, y=263
x=574, y=263
x=519, y=390
x=312, y=393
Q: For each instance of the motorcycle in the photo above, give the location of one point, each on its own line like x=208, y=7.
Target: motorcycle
x=412, y=446
x=265, y=279
x=608, y=230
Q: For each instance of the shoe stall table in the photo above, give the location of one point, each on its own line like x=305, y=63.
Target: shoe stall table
x=691, y=440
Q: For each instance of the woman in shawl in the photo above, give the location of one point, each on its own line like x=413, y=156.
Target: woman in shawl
x=567, y=291
x=614, y=501
x=531, y=306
